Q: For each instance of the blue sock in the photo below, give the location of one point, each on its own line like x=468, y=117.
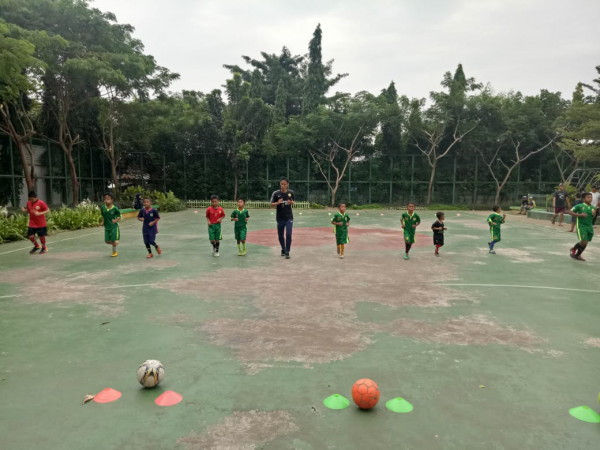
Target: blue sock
x=492, y=245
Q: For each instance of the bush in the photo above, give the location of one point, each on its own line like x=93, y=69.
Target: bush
x=13, y=228
x=170, y=203
x=127, y=198
x=84, y=215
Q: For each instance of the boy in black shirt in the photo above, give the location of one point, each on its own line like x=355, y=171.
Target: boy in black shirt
x=438, y=232
x=283, y=200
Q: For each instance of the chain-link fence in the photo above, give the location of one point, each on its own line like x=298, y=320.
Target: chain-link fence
x=196, y=176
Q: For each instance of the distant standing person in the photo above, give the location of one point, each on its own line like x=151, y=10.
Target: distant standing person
x=283, y=200
x=560, y=202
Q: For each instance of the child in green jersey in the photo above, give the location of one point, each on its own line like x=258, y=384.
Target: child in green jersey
x=584, y=212
x=410, y=221
x=495, y=220
x=341, y=222
x=110, y=219
x=240, y=216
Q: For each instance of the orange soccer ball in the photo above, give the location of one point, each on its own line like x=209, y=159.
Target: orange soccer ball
x=365, y=393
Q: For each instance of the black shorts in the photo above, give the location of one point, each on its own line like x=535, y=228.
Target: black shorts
x=438, y=239
x=39, y=231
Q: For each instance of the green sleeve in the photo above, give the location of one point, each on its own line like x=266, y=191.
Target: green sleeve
x=418, y=218
x=233, y=214
x=117, y=212
x=576, y=209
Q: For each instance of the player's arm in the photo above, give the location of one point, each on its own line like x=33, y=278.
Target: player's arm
x=140, y=216
x=275, y=203
x=554, y=201
x=247, y=216
x=43, y=213
x=291, y=201
x=234, y=217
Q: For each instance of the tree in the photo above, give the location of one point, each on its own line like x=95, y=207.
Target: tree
x=246, y=120
x=19, y=75
x=333, y=135
x=441, y=127
x=524, y=130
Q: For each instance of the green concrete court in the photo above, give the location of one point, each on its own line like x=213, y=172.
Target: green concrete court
x=492, y=350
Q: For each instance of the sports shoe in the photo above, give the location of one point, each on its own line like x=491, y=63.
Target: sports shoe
x=158, y=250
x=244, y=252
x=437, y=254
x=287, y=255
x=149, y=255
x=579, y=258
x=240, y=253
x=44, y=250
x=217, y=254
x=33, y=250
x=406, y=256
x=492, y=252
x=113, y=254
x=341, y=256
x=282, y=252
x=573, y=253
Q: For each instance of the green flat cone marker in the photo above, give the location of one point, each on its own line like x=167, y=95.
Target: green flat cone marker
x=585, y=413
x=399, y=405
x=336, y=401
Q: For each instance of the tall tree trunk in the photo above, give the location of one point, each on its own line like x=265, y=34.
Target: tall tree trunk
x=73, y=173
x=333, y=193
x=113, y=174
x=235, y=184
x=19, y=141
x=431, y=178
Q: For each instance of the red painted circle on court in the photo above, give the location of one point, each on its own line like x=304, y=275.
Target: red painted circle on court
x=168, y=398
x=107, y=395
x=360, y=238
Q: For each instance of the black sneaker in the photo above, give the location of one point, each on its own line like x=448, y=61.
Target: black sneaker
x=282, y=252
x=33, y=250
x=573, y=253
x=287, y=255
x=44, y=250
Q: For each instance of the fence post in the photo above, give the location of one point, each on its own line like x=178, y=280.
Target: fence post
x=247, y=182
x=184, y=177
x=370, y=166
x=92, y=170
x=307, y=179
x=268, y=183
x=475, y=184
x=79, y=170
x=205, y=183
x=50, y=168
x=412, y=178
x=349, y=181
x=12, y=173
x=540, y=178
x=164, y=173
x=391, y=178
x=454, y=182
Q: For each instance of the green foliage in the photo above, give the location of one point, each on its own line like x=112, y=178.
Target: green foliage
x=13, y=228
x=84, y=215
x=170, y=203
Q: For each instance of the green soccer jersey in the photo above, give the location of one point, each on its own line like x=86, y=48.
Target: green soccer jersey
x=344, y=219
x=495, y=220
x=241, y=216
x=409, y=222
x=588, y=210
x=110, y=214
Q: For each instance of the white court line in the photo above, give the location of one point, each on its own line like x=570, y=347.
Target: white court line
x=552, y=288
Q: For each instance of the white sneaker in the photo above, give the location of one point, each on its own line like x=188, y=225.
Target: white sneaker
x=216, y=253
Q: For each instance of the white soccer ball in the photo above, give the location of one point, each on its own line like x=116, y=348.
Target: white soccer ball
x=150, y=373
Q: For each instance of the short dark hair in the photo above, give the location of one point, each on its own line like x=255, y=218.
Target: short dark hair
x=32, y=194
x=214, y=196
x=439, y=214
x=411, y=203
x=495, y=208
x=341, y=203
x=240, y=198
x=585, y=194
x=147, y=198
x=284, y=179
x=110, y=194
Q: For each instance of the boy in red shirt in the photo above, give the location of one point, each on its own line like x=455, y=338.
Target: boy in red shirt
x=214, y=216
x=37, y=211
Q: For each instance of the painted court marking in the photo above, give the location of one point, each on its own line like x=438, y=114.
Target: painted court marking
x=519, y=286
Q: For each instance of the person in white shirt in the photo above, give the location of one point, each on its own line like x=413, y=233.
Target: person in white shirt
x=595, y=200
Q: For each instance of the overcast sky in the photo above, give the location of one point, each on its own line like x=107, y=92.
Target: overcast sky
x=523, y=45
